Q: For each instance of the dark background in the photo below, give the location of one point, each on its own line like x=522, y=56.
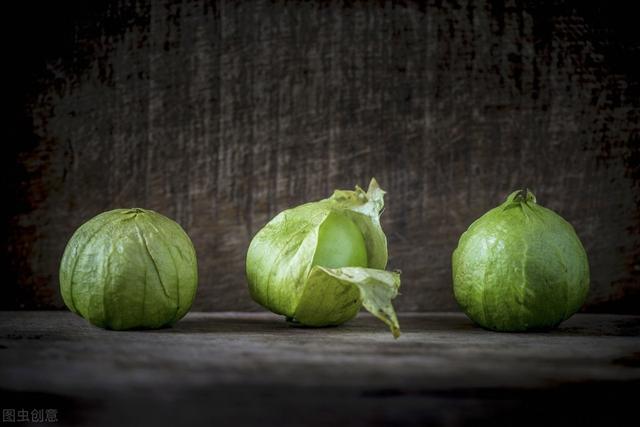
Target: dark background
x=221, y=114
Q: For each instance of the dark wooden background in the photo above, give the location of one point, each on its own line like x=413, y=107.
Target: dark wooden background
x=220, y=115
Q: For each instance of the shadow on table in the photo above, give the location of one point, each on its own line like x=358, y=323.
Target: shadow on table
x=226, y=324
x=585, y=325
x=364, y=323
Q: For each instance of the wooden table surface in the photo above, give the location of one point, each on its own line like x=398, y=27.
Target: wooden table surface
x=252, y=368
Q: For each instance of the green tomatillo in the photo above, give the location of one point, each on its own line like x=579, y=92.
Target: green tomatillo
x=129, y=269
x=319, y=263
x=520, y=267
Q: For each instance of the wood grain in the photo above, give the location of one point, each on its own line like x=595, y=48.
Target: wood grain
x=252, y=369
x=221, y=114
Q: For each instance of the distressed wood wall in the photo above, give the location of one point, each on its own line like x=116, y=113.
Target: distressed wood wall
x=221, y=114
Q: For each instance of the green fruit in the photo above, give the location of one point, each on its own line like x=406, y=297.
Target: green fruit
x=319, y=263
x=520, y=267
x=340, y=243
x=129, y=268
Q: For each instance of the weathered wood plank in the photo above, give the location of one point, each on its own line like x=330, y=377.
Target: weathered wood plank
x=221, y=114
x=244, y=369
